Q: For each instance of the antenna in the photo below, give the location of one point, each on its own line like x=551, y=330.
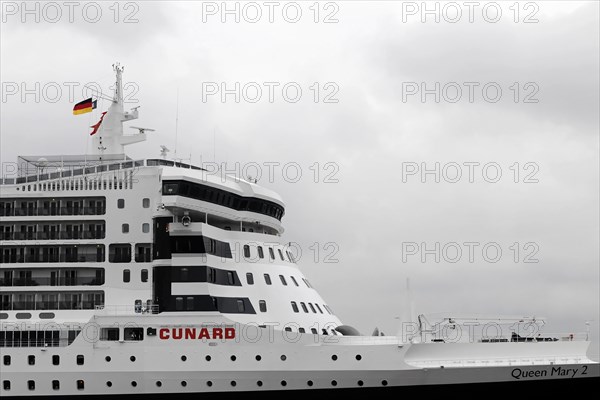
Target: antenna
x=176, y=122
x=142, y=130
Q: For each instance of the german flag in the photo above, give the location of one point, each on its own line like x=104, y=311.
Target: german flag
x=85, y=106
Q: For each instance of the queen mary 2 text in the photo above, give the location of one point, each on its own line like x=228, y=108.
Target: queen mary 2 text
x=196, y=333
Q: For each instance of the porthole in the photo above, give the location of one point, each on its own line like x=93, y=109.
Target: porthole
x=259, y=383
x=109, y=383
x=183, y=383
x=258, y=358
x=132, y=358
x=333, y=383
x=209, y=383
x=207, y=358
x=183, y=358
x=358, y=357
x=233, y=383
x=360, y=383
x=309, y=383
x=283, y=357
x=233, y=358
x=158, y=383
x=384, y=382
x=283, y=383
x=334, y=357
x=107, y=358
x=133, y=383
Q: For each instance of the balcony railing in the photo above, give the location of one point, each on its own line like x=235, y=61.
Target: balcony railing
x=58, y=211
x=83, y=235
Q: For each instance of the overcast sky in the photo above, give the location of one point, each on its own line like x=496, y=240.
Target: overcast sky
x=368, y=125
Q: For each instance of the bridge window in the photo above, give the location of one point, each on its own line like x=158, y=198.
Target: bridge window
x=144, y=276
x=304, y=307
x=126, y=275
x=281, y=254
x=111, y=334
x=55, y=359
x=246, y=251
x=121, y=203
x=261, y=254
x=294, y=280
x=295, y=307
x=146, y=203
x=271, y=253
x=318, y=308
x=250, y=278
x=283, y=281
x=262, y=306
x=80, y=359
x=312, y=308
x=134, y=334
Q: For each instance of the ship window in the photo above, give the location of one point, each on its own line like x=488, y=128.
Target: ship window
x=31, y=360
x=121, y=203
x=250, y=278
x=306, y=283
x=294, y=280
x=56, y=385
x=125, y=228
x=312, y=308
x=261, y=254
x=262, y=305
x=144, y=275
x=295, y=306
x=145, y=228
x=283, y=281
x=31, y=385
x=318, y=308
x=267, y=279
x=313, y=330
x=301, y=330
x=80, y=384
x=6, y=385
x=230, y=279
x=6, y=360
x=146, y=203
x=80, y=359
x=280, y=254
x=109, y=334
x=304, y=307
x=290, y=257
x=134, y=334
x=271, y=253
x=189, y=303
x=246, y=251
x=179, y=303
x=240, y=305
x=55, y=359
x=126, y=275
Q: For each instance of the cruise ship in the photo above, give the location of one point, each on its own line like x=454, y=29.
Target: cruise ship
x=153, y=278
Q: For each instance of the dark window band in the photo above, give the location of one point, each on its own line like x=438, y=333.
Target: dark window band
x=200, y=244
x=222, y=198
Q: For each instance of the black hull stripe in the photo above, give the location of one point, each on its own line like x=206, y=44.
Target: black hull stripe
x=462, y=390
